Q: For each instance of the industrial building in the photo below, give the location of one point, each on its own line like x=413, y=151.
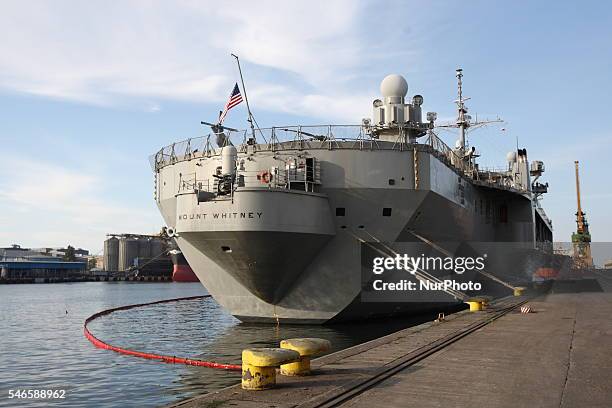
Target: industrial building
x=61, y=252
x=147, y=254
x=27, y=265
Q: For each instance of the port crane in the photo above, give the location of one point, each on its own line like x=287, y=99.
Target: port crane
x=581, y=239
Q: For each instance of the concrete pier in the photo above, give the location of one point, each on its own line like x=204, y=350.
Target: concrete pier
x=560, y=355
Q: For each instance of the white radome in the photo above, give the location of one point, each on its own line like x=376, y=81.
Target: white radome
x=394, y=85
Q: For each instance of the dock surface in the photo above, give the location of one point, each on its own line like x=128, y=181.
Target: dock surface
x=560, y=355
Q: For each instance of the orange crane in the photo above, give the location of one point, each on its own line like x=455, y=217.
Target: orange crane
x=581, y=239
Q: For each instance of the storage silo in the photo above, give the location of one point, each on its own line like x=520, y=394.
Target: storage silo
x=144, y=248
x=111, y=254
x=128, y=251
x=157, y=247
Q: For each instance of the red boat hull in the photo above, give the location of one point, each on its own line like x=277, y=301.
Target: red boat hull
x=183, y=273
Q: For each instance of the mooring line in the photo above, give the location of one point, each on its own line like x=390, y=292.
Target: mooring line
x=151, y=356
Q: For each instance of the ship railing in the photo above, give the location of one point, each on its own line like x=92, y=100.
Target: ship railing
x=293, y=178
x=494, y=176
x=304, y=179
x=188, y=183
x=298, y=137
x=318, y=137
x=277, y=138
x=449, y=156
x=315, y=136
x=499, y=177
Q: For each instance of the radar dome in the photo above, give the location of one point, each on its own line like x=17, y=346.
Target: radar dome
x=394, y=86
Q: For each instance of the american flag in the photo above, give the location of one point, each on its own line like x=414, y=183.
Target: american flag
x=234, y=99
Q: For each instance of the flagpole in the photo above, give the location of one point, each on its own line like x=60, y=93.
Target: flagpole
x=250, y=120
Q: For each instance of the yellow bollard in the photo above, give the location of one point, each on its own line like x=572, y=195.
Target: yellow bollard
x=475, y=305
x=518, y=291
x=259, y=366
x=306, y=347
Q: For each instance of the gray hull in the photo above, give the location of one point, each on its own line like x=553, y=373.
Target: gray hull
x=270, y=252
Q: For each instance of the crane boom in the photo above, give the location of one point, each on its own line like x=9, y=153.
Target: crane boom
x=581, y=239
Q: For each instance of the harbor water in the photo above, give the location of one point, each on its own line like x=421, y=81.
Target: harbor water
x=42, y=344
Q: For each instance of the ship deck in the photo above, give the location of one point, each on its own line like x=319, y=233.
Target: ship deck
x=556, y=356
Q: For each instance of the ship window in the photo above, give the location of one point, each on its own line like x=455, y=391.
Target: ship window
x=226, y=249
x=386, y=212
x=340, y=211
x=391, y=182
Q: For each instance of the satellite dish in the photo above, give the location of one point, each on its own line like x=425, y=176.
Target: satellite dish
x=377, y=103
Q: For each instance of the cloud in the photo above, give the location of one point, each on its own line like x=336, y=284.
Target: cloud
x=49, y=203
x=318, y=58
x=82, y=52
x=114, y=53
x=314, y=39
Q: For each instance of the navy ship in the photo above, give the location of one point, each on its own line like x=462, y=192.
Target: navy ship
x=280, y=224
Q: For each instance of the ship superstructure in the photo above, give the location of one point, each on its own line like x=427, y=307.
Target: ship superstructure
x=275, y=225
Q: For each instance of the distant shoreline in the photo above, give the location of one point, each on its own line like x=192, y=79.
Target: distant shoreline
x=86, y=279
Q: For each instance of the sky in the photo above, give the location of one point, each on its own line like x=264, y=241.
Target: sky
x=89, y=90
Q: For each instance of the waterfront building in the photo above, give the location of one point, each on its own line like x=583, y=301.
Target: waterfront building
x=28, y=265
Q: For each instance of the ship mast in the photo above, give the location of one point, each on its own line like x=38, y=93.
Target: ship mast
x=251, y=119
x=462, y=123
